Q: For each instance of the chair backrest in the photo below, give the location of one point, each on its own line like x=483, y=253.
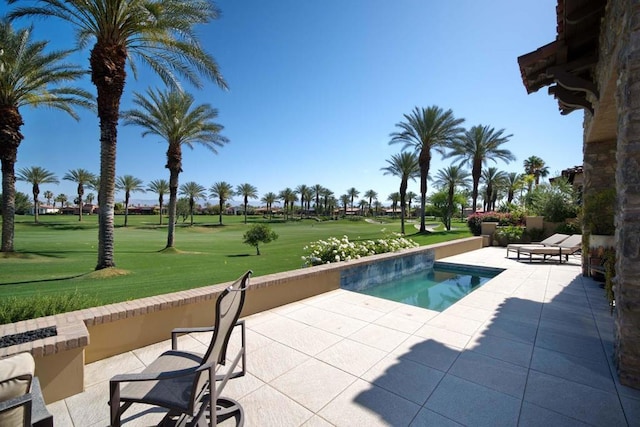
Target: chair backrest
x=555, y=239
x=573, y=242
x=16, y=374
x=228, y=307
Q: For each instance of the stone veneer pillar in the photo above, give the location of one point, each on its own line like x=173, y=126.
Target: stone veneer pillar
x=627, y=281
x=599, y=174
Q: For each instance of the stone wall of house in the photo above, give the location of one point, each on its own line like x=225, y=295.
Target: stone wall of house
x=627, y=281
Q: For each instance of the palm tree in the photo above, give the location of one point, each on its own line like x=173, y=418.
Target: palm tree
x=451, y=178
x=317, y=192
x=62, y=198
x=247, y=191
x=94, y=185
x=193, y=191
x=222, y=191
x=89, y=198
x=160, y=187
x=268, y=199
x=327, y=197
x=492, y=178
x=370, y=195
x=394, y=198
x=81, y=177
x=288, y=197
x=405, y=166
x=48, y=195
x=476, y=147
x=344, y=199
x=129, y=184
x=411, y=196
x=352, y=193
x=535, y=166
x=161, y=34
x=172, y=116
x=303, y=191
x=35, y=176
x=425, y=129
x=28, y=77
x=514, y=182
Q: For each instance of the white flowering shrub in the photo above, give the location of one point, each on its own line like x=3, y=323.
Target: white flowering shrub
x=336, y=250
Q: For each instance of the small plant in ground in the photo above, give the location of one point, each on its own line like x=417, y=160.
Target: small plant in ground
x=259, y=233
x=336, y=250
x=509, y=234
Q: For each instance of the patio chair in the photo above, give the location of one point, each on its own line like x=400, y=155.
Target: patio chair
x=552, y=240
x=569, y=246
x=21, y=401
x=189, y=384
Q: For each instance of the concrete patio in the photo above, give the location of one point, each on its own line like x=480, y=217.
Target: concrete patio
x=531, y=347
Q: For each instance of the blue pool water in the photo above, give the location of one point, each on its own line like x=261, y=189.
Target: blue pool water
x=435, y=288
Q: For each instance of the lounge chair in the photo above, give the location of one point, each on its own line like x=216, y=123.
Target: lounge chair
x=188, y=384
x=21, y=401
x=569, y=246
x=552, y=240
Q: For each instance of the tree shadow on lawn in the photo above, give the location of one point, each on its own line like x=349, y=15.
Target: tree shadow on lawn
x=238, y=255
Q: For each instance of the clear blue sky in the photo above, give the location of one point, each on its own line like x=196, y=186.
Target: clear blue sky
x=316, y=87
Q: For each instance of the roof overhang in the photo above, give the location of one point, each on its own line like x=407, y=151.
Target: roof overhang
x=567, y=64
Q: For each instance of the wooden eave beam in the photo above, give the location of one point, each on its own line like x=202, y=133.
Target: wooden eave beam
x=570, y=100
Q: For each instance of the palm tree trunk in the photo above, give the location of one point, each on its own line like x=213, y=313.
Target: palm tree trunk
x=475, y=174
x=424, y=160
x=191, y=203
x=245, y=210
x=403, y=195
x=126, y=208
x=10, y=138
x=35, y=206
x=173, y=204
x=160, y=203
x=8, y=204
x=108, y=75
x=220, y=214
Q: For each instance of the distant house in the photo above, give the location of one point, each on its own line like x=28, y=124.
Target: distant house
x=574, y=175
x=87, y=209
x=46, y=209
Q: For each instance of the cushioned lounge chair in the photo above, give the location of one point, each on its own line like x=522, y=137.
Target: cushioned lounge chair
x=569, y=246
x=189, y=384
x=21, y=401
x=552, y=240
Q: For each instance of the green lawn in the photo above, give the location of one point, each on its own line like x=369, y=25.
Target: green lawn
x=59, y=254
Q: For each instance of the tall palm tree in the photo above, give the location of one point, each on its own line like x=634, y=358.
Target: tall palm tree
x=28, y=77
x=370, y=195
x=160, y=33
x=405, y=166
x=222, y=191
x=492, y=178
x=352, y=193
x=535, y=166
x=394, y=198
x=475, y=148
x=423, y=130
x=62, y=199
x=450, y=179
x=129, y=184
x=172, y=116
x=247, y=191
x=411, y=196
x=48, y=195
x=193, y=191
x=288, y=197
x=81, y=177
x=514, y=182
x=327, y=196
x=317, y=193
x=303, y=191
x=268, y=199
x=35, y=175
x=160, y=187
x=344, y=199
x=89, y=198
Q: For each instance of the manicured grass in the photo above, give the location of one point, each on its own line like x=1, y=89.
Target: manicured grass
x=59, y=254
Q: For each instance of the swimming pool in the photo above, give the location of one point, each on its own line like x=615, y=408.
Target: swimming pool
x=435, y=288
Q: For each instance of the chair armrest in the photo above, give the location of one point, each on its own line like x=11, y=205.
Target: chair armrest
x=24, y=400
x=40, y=416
